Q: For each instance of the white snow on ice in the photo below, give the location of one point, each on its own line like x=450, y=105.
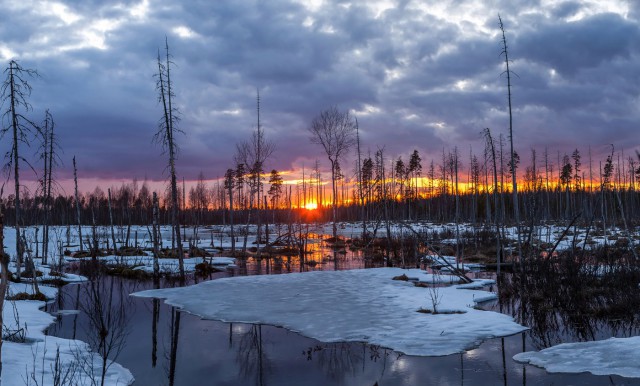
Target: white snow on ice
x=167, y=265
x=37, y=354
x=613, y=356
x=19, y=360
x=357, y=305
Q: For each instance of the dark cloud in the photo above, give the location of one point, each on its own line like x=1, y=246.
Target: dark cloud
x=565, y=9
x=418, y=75
x=569, y=47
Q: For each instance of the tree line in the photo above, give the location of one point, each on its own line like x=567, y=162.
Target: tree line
x=548, y=189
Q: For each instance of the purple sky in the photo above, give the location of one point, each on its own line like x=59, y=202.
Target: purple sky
x=419, y=75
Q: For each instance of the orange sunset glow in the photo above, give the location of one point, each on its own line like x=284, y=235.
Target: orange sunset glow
x=311, y=206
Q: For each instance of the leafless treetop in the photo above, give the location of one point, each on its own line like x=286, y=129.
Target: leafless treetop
x=335, y=131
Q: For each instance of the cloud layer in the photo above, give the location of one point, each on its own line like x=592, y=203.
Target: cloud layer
x=420, y=75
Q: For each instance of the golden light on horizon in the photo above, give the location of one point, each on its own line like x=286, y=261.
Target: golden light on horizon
x=311, y=206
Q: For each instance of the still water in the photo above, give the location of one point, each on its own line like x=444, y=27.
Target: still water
x=161, y=346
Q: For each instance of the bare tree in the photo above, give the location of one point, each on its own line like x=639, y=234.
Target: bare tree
x=253, y=154
x=516, y=210
x=166, y=137
x=199, y=199
x=490, y=149
x=113, y=235
x=15, y=91
x=107, y=320
x=75, y=182
x=360, y=183
x=4, y=278
x=155, y=238
x=49, y=153
x=335, y=131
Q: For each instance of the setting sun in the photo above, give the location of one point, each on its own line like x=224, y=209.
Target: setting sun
x=311, y=206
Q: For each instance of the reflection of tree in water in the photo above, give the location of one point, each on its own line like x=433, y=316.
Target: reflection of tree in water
x=155, y=318
x=65, y=300
x=251, y=356
x=105, y=302
x=564, y=299
x=154, y=332
x=173, y=352
x=170, y=355
x=340, y=359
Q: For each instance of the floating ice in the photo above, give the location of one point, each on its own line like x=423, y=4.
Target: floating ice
x=358, y=305
x=614, y=356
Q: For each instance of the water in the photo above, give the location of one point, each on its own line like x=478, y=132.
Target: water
x=216, y=353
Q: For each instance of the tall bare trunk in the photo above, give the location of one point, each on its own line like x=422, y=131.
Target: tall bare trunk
x=168, y=140
x=75, y=181
x=495, y=199
x=113, y=234
x=516, y=210
x=16, y=170
x=156, y=236
x=48, y=199
x=360, y=185
x=258, y=166
x=233, y=236
x=4, y=279
x=334, y=193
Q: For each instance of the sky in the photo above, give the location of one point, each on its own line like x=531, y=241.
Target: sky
x=424, y=75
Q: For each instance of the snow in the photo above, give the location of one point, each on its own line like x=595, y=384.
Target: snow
x=364, y=305
x=37, y=355
x=358, y=305
x=222, y=261
x=614, y=356
x=167, y=265
x=441, y=261
x=15, y=288
x=66, y=312
x=34, y=355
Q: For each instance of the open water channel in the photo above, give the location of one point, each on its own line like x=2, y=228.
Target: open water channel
x=161, y=346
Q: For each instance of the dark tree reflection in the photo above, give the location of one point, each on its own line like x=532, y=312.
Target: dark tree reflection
x=251, y=356
x=175, y=335
x=105, y=303
x=154, y=332
x=569, y=299
x=339, y=360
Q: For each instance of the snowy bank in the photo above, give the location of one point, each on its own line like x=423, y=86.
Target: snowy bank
x=37, y=356
x=167, y=265
x=359, y=305
x=614, y=356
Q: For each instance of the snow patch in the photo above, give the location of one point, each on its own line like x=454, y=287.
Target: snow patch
x=614, y=356
x=357, y=305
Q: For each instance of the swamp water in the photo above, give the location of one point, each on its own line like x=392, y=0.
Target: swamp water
x=163, y=347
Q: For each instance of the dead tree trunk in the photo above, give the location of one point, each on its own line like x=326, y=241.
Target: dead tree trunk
x=492, y=152
x=229, y=179
x=15, y=91
x=165, y=136
x=516, y=210
x=156, y=234
x=4, y=279
x=113, y=234
x=75, y=181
